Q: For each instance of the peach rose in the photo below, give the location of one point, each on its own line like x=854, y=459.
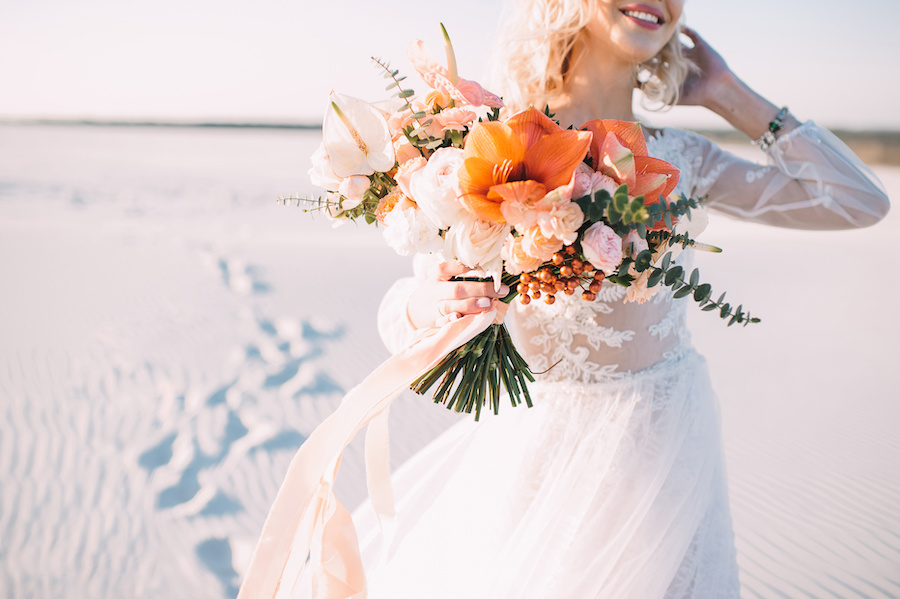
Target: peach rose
x=602, y=247
x=538, y=246
x=516, y=259
x=405, y=150
x=406, y=171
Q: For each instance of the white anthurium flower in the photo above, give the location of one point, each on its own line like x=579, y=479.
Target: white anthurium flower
x=357, y=138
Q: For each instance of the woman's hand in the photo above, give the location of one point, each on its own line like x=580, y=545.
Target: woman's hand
x=439, y=300
x=717, y=88
x=701, y=88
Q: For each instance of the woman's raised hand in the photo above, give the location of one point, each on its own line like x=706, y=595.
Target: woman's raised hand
x=717, y=88
x=439, y=300
x=701, y=88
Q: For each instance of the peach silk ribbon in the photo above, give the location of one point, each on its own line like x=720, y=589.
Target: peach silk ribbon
x=306, y=519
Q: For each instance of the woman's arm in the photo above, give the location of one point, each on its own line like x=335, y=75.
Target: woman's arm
x=813, y=182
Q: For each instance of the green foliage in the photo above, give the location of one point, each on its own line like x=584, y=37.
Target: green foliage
x=666, y=211
x=675, y=277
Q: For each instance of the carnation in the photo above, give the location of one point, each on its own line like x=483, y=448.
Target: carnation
x=562, y=221
x=454, y=119
x=602, y=247
x=638, y=291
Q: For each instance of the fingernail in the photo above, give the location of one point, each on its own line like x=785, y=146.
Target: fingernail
x=483, y=302
x=504, y=290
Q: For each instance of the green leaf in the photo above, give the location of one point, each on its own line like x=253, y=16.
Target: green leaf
x=655, y=277
x=406, y=93
x=709, y=307
x=602, y=196
x=418, y=115
x=726, y=310
x=667, y=259
x=695, y=277
x=683, y=292
x=673, y=275
x=702, y=293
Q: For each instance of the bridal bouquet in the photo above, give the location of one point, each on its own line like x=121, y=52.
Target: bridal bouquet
x=542, y=209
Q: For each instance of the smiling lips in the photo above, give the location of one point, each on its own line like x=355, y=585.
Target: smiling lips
x=645, y=16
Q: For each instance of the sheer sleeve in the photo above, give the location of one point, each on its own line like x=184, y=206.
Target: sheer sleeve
x=812, y=181
x=394, y=325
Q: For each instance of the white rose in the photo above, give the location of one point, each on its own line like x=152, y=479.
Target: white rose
x=410, y=231
x=477, y=243
x=435, y=187
x=321, y=174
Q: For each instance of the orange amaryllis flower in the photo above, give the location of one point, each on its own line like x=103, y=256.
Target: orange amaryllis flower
x=618, y=150
x=516, y=163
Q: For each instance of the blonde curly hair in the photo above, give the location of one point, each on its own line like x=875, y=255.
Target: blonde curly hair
x=532, y=56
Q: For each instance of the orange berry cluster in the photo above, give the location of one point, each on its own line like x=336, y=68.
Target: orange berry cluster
x=565, y=274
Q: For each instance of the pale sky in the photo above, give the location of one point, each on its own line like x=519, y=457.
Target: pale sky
x=276, y=60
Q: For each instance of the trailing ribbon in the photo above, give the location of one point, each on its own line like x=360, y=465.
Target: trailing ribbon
x=306, y=519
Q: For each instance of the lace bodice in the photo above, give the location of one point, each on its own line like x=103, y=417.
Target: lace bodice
x=813, y=181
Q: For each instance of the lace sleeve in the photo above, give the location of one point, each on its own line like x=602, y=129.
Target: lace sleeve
x=394, y=325
x=813, y=181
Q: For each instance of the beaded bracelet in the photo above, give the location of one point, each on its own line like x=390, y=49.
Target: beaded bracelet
x=777, y=124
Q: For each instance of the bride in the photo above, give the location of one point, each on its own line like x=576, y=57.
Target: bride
x=613, y=485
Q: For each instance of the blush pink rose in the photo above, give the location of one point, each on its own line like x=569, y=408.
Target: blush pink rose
x=586, y=182
x=633, y=244
x=602, y=247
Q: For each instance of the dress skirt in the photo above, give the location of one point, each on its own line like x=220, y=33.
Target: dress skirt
x=610, y=490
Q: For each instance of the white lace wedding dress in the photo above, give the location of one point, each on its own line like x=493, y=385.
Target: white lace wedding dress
x=612, y=485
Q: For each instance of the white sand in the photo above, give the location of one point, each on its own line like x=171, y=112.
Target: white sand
x=168, y=334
